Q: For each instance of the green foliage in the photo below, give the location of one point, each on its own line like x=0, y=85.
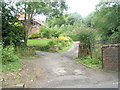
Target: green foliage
x=14, y=33
x=96, y=52
x=44, y=48
x=93, y=63
x=45, y=32
x=25, y=52
x=39, y=43
x=52, y=22
x=56, y=31
x=12, y=66
x=11, y=57
x=49, y=44
x=107, y=20
x=68, y=19
x=88, y=20
x=53, y=42
x=12, y=29
x=8, y=54
x=115, y=36
x=87, y=36
x=75, y=37
x=34, y=35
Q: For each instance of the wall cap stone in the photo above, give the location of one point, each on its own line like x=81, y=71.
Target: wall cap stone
x=111, y=45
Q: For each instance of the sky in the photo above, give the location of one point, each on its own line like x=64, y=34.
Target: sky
x=83, y=7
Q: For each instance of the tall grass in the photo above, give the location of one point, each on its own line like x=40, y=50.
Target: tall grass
x=25, y=52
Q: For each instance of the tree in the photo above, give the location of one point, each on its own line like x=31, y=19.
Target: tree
x=74, y=18
x=56, y=21
x=88, y=20
x=51, y=9
x=12, y=29
x=67, y=19
x=107, y=19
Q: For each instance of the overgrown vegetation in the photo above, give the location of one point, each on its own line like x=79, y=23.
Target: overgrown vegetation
x=46, y=32
x=50, y=44
x=106, y=20
x=59, y=31
x=11, y=57
x=90, y=62
x=15, y=30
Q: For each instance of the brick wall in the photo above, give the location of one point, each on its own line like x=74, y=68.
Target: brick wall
x=35, y=29
x=111, y=57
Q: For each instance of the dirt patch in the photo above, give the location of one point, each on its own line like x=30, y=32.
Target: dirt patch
x=29, y=74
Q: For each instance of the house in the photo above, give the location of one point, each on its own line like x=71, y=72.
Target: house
x=36, y=23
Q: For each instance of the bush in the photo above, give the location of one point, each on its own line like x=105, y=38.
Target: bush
x=86, y=36
x=53, y=42
x=90, y=62
x=63, y=43
x=74, y=37
x=45, y=48
x=64, y=38
x=56, y=32
x=8, y=54
x=12, y=33
x=48, y=44
x=115, y=36
x=34, y=35
x=45, y=32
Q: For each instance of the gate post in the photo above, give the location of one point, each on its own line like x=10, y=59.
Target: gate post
x=111, y=57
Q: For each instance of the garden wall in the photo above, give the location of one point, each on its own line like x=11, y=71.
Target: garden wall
x=111, y=57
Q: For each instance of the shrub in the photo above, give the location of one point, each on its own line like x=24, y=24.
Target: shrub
x=45, y=32
x=74, y=37
x=8, y=54
x=60, y=46
x=44, y=48
x=86, y=36
x=34, y=35
x=56, y=32
x=53, y=42
x=65, y=38
x=48, y=44
x=63, y=43
x=90, y=62
x=115, y=36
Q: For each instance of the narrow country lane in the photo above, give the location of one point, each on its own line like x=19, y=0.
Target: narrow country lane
x=63, y=71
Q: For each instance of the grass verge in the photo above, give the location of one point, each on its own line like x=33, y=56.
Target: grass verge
x=87, y=61
x=11, y=57
x=26, y=53
x=12, y=66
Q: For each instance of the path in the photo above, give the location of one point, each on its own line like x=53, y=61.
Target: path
x=63, y=71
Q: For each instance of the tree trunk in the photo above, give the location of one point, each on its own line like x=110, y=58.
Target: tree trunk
x=28, y=18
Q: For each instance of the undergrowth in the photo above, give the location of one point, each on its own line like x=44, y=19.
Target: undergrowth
x=90, y=62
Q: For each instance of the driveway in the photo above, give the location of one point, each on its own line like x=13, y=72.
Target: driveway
x=63, y=71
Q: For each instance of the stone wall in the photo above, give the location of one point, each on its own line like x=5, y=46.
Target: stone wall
x=111, y=57
x=83, y=50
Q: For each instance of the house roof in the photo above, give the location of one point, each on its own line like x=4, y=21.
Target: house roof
x=21, y=16
x=38, y=21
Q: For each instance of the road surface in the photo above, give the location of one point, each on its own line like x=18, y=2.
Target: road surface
x=63, y=71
